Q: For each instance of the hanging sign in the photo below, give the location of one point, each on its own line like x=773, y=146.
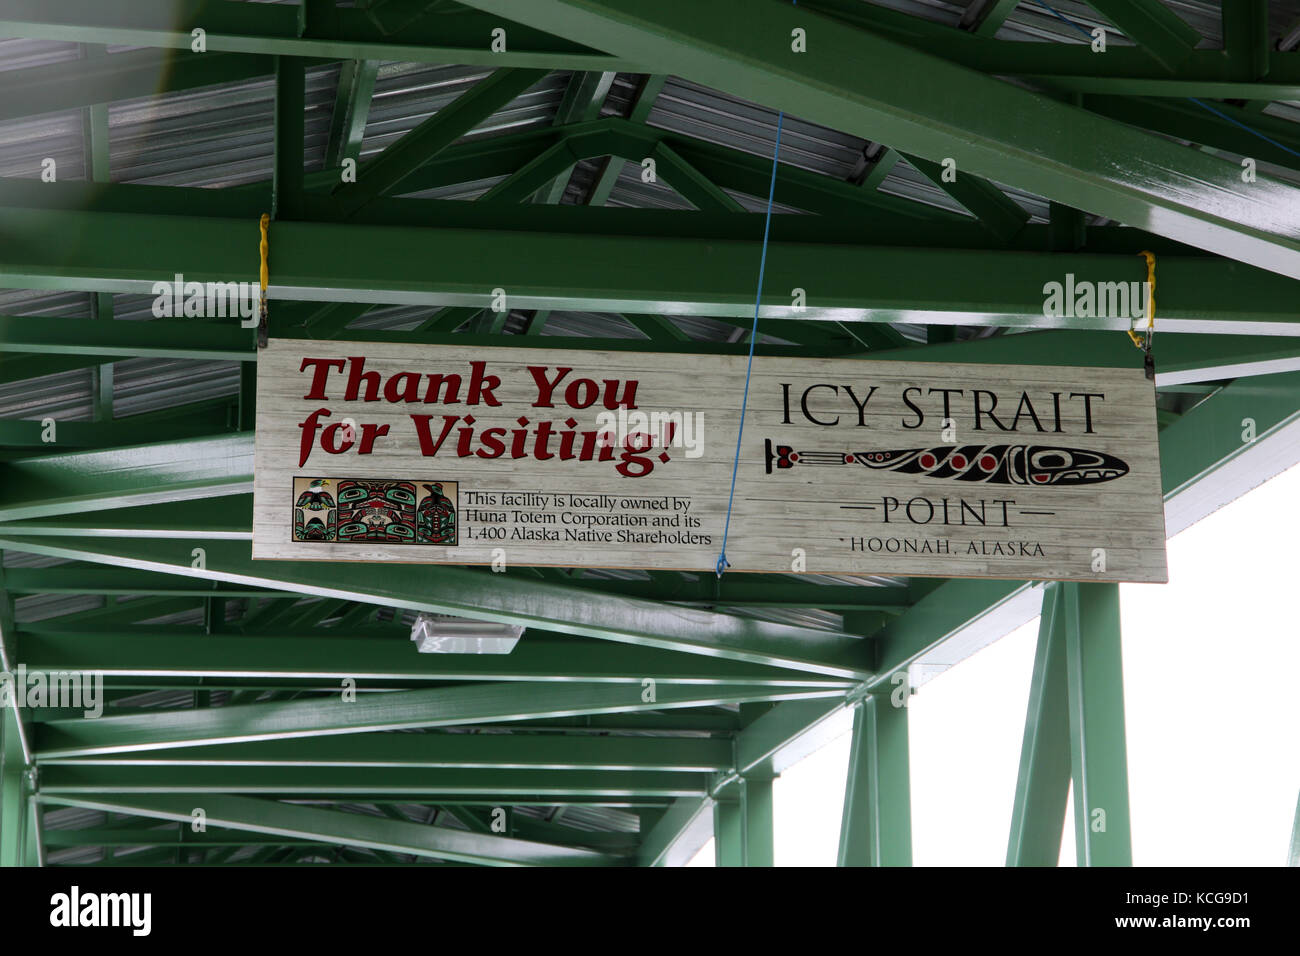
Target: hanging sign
x=526, y=456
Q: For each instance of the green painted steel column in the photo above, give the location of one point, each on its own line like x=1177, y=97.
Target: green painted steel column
x=33, y=852
x=756, y=802
x=1038, y=818
x=728, y=832
x=13, y=802
x=1098, y=755
x=876, y=828
x=1293, y=858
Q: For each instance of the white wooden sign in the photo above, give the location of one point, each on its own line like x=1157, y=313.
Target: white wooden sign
x=470, y=455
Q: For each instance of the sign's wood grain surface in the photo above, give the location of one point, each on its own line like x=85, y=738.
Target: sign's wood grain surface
x=459, y=455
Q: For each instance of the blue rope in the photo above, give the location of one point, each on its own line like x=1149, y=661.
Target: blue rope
x=1064, y=19
x=723, y=564
x=1253, y=132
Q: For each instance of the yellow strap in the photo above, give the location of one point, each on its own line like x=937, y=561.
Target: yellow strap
x=264, y=248
x=1151, y=298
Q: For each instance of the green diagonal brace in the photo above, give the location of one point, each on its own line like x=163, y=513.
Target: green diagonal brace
x=876, y=827
x=346, y=829
x=439, y=707
x=860, y=82
x=385, y=172
x=1038, y=815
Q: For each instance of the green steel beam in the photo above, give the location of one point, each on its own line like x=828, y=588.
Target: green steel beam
x=1180, y=359
x=1043, y=783
x=922, y=104
x=21, y=439
x=876, y=826
x=780, y=737
x=437, y=707
x=227, y=518
x=326, y=654
x=1098, y=755
x=1154, y=27
x=345, y=829
x=183, y=339
x=714, y=722
x=145, y=474
x=500, y=155
x=442, y=751
x=945, y=613
x=495, y=597
x=693, y=277
x=329, y=782
x=451, y=37
x=849, y=213
x=244, y=202
x=735, y=590
x=1243, y=434
x=351, y=110
x=1187, y=120
x=462, y=37
x=761, y=590
x=818, y=345
x=386, y=171
x=165, y=836
x=96, y=579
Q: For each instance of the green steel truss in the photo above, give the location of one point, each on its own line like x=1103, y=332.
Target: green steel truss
x=223, y=677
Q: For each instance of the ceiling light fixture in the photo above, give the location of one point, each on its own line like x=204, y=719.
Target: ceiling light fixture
x=441, y=635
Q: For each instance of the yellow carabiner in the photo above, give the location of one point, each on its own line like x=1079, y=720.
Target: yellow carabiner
x=1151, y=302
x=264, y=248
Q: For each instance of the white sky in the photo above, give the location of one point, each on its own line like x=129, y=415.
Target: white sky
x=1211, y=700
